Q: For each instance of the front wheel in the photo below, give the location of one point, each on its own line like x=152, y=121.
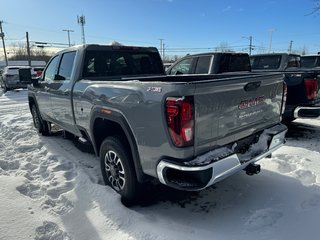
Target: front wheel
x=118, y=171
x=41, y=125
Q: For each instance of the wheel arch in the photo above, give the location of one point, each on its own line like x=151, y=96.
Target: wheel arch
x=105, y=123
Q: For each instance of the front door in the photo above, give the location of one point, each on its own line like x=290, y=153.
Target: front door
x=60, y=92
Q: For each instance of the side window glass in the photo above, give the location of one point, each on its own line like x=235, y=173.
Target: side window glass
x=51, y=69
x=203, y=64
x=66, y=65
x=293, y=61
x=182, y=67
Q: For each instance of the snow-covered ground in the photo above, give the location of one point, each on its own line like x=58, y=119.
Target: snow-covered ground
x=50, y=188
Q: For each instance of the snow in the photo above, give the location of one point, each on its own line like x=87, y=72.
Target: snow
x=51, y=188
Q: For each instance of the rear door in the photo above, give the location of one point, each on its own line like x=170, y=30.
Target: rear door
x=230, y=109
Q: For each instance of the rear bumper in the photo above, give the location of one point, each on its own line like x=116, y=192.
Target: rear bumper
x=197, y=177
x=306, y=112
x=16, y=85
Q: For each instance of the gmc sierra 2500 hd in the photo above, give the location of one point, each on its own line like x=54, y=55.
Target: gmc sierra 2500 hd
x=186, y=131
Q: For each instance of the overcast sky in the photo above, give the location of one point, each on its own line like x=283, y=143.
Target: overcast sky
x=185, y=25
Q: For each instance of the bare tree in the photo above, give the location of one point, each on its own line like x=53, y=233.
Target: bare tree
x=19, y=51
x=316, y=8
x=224, y=47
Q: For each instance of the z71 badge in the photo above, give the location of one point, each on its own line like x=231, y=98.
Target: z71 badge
x=154, y=89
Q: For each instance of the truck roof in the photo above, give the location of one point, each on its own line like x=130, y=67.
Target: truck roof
x=109, y=47
x=216, y=53
x=274, y=54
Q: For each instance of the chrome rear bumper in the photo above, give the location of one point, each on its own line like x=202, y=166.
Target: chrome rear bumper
x=306, y=112
x=192, y=178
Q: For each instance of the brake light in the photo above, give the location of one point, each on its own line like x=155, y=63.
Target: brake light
x=311, y=87
x=284, y=98
x=180, y=120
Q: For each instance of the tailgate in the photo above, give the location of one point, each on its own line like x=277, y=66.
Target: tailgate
x=229, y=109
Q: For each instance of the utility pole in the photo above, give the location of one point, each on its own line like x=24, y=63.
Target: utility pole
x=28, y=49
x=163, y=51
x=250, y=45
x=161, y=47
x=270, y=42
x=82, y=22
x=68, y=31
x=290, y=46
x=4, y=46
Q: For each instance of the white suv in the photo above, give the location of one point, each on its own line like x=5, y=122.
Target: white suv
x=14, y=77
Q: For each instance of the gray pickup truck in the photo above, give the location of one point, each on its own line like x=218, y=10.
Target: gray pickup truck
x=188, y=132
x=303, y=97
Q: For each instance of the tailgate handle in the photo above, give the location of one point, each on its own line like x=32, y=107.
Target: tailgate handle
x=252, y=86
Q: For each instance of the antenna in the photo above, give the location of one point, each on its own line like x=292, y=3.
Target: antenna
x=82, y=22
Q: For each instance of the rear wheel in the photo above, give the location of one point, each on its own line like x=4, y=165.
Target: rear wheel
x=118, y=171
x=41, y=125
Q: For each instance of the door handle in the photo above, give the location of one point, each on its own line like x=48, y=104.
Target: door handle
x=252, y=86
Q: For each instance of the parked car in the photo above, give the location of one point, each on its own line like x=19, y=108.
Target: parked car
x=188, y=132
x=303, y=95
x=36, y=71
x=14, y=77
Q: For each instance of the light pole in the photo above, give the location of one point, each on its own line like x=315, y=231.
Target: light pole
x=68, y=31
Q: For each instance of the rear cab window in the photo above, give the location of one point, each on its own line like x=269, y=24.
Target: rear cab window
x=266, y=62
x=103, y=63
x=309, y=62
x=234, y=63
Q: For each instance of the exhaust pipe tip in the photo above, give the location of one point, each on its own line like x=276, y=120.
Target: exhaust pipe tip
x=252, y=169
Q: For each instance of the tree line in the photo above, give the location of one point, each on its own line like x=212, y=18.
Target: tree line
x=19, y=52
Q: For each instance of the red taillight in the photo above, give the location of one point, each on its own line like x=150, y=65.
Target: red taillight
x=180, y=120
x=311, y=87
x=284, y=97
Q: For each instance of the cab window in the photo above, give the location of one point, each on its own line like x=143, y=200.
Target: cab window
x=183, y=67
x=66, y=66
x=203, y=65
x=51, y=69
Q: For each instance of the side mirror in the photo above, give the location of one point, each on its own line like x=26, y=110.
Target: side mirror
x=35, y=81
x=59, y=77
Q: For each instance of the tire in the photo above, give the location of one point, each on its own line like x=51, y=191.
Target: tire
x=41, y=125
x=118, y=170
